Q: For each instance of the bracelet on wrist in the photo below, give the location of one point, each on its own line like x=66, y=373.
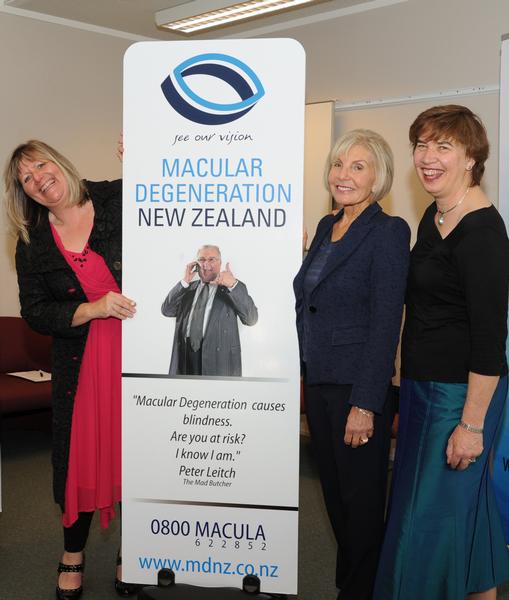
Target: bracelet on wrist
x=470, y=428
x=364, y=411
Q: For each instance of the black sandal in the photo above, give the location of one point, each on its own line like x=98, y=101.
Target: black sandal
x=121, y=587
x=73, y=593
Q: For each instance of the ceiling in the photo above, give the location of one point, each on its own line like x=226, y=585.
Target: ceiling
x=136, y=17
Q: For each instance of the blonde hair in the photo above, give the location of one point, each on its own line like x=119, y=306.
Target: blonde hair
x=23, y=212
x=379, y=149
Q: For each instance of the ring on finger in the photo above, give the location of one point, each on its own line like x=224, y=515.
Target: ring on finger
x=364, y=440
x=472, y=460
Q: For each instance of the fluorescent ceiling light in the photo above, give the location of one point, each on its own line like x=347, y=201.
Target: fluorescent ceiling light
x=199, y=15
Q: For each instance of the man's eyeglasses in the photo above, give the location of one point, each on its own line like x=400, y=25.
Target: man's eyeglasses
x=210, y=260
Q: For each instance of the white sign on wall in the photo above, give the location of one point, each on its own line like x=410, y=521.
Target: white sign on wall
x=501, y=453
x=213, y=164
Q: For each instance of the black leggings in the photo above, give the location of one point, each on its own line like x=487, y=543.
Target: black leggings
x=75, y=536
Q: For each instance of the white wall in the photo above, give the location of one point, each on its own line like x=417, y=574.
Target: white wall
x=63, y=86
x=410, y=48
x=413, y=48
x=319, y=135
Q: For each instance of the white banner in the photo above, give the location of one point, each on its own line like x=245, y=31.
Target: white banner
x=213, y=164
x=503, y=175
x=501, y=453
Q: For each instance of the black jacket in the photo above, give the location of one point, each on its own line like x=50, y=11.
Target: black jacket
x=50, y=293
x=354, y=311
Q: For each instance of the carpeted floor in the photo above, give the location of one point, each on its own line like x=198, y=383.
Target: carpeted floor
x=30, y=535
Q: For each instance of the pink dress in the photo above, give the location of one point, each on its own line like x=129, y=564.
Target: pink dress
x=94, y=469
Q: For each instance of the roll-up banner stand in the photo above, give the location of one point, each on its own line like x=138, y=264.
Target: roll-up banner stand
x=212, y=195
x=501, y=454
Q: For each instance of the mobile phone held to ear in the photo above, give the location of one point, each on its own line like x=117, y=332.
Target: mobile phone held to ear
x=196, y=268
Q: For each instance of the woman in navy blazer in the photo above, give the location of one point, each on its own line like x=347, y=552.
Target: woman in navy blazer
x=349, y=302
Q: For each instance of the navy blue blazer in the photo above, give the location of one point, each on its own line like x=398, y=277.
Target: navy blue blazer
x=356, y=306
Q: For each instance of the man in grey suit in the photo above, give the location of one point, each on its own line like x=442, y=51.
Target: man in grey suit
x=206, y=340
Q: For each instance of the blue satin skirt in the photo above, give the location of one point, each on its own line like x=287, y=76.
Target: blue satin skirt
x=444, y=536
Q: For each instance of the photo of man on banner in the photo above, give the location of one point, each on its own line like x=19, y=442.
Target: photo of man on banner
x=206, y=304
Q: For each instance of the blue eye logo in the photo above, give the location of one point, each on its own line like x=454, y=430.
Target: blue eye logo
x=232, y=71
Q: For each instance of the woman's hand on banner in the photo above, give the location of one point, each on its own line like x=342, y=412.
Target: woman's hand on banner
x=111, y=304
x=115, y=305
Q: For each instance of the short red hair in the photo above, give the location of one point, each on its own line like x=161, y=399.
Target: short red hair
x=458, y=123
